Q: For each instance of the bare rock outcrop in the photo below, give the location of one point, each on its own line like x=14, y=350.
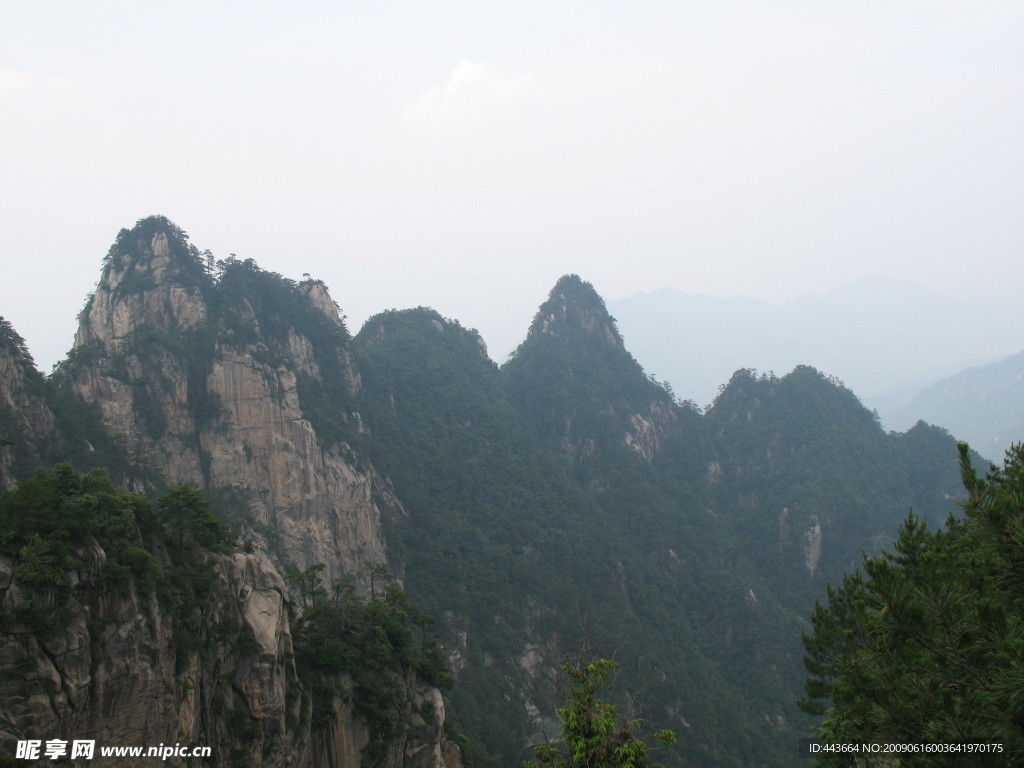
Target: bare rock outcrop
x=117, y=673
x=206, y=388
x=649, y=432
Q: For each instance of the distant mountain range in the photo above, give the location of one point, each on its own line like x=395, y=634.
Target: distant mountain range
x=983, y=405
x=887, y=340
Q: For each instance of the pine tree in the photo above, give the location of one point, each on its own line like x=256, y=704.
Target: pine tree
x=928, y=645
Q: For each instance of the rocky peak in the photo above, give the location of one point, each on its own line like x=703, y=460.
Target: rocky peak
x=316, y=292
x=239, y=385
x=152, y=276
x=573, y=304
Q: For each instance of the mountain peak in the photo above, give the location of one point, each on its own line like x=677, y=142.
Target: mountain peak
x=154, y=251
x=574, y=377
x=573, y=304
x=152, y=276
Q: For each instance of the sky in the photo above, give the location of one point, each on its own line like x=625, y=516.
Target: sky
x=464, y=155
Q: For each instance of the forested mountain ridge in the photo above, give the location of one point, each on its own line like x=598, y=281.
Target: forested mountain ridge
x=513, y=504
x=678, y=535
x=787, y=449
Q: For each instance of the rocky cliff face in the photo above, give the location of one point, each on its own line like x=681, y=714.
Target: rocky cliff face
x=25, y=418
x=112, y=675
x=205, y=381
x=117, y=674
x=236, y=383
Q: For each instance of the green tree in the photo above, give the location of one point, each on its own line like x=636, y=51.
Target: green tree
x=928, y=645
x=592, y=732
x=306, y=583
x=47, y=524
x=186, y=513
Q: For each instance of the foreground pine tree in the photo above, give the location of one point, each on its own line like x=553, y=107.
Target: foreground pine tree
x=927, y=646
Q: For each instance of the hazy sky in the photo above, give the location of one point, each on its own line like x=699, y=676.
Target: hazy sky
x=464, y=155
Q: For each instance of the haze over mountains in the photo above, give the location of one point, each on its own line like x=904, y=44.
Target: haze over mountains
x=983, y=405
x=885, y=339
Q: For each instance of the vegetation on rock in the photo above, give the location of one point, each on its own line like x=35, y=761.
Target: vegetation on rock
x=380, y=644
x=46, y=525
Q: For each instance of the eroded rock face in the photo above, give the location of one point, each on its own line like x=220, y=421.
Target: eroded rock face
x=118, y=674
x=25, y=414
x=649, y=433
x=318, y=502
x=203, y=403
x=113, y=673
x=812, y=545
x=115, y=310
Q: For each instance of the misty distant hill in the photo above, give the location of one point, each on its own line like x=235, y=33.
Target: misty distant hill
x=983, y=405
x=886, y=339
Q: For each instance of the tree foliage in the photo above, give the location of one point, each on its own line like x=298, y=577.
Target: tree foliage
x=51, y=521
x=927, y=645
x=593, y=734
x=186, y=513
x=47, y=522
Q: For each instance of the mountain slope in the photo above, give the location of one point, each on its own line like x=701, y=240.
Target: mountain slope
x=807, y=469
x=492, y=512
x=571, y=488
x=511, y=547
x=576, y=381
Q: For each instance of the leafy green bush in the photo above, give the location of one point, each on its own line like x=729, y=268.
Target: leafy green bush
x=593, y=734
